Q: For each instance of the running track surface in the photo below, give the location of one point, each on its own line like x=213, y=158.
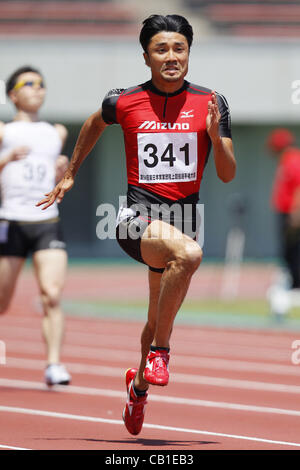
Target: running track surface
x=229, y=389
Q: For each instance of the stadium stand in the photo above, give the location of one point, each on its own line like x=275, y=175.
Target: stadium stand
x=66, y=18
x=259, y=18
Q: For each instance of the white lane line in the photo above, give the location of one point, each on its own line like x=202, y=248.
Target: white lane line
x=206, y=351
x=76, y=390
x=196, y=333
x=281, y=352
x=2, y=446
x=51, y=414
x=200, y=362
x=235, y=383
x=95, y=333
x=109, y=371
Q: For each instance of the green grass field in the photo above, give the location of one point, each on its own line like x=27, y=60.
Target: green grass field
x=238, y=313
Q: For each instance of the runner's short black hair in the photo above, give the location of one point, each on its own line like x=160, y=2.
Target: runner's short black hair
x=12, y=80
x=156, y=23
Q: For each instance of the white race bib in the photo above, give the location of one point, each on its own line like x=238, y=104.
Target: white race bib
x=167, y=157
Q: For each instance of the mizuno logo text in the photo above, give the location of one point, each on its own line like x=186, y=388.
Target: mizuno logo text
x=164, y=125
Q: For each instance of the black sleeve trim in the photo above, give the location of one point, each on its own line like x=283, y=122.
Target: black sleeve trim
x=109, y=103
x=198, y=90
x=132, y=90
x=225, y=121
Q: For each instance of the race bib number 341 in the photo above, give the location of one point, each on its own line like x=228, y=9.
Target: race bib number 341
x=167, y=157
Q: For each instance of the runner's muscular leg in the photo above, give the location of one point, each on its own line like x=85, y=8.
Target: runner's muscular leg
x=10, y=267
x=50, y=268
x=149, y=329
x=163, y=245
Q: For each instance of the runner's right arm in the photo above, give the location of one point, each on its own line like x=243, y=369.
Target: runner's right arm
x=88, y=136
x=16, y=154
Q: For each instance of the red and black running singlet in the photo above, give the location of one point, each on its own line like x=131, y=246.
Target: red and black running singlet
x=166, y=142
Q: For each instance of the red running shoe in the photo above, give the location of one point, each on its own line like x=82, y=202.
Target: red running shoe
x=157, y=367
x=133, y=413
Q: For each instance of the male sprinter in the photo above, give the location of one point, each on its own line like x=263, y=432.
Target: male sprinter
x=30, y=162
x=169, y=126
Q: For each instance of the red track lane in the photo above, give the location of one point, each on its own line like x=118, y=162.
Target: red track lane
x=229, y=389
x=50, y=432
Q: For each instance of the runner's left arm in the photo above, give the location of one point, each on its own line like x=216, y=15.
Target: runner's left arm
x=62, y=161
x=218, y=128
x=62, y=132
x=61, y=166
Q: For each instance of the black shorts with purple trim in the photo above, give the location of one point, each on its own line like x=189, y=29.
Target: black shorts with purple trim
x=22, y=238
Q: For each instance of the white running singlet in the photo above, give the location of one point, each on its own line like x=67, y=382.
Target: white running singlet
x=24, y=182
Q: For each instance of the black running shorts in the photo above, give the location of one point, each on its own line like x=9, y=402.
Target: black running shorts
x=129, y=234
x=21, y=238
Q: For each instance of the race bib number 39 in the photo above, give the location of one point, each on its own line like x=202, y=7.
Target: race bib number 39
x=167, y=157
